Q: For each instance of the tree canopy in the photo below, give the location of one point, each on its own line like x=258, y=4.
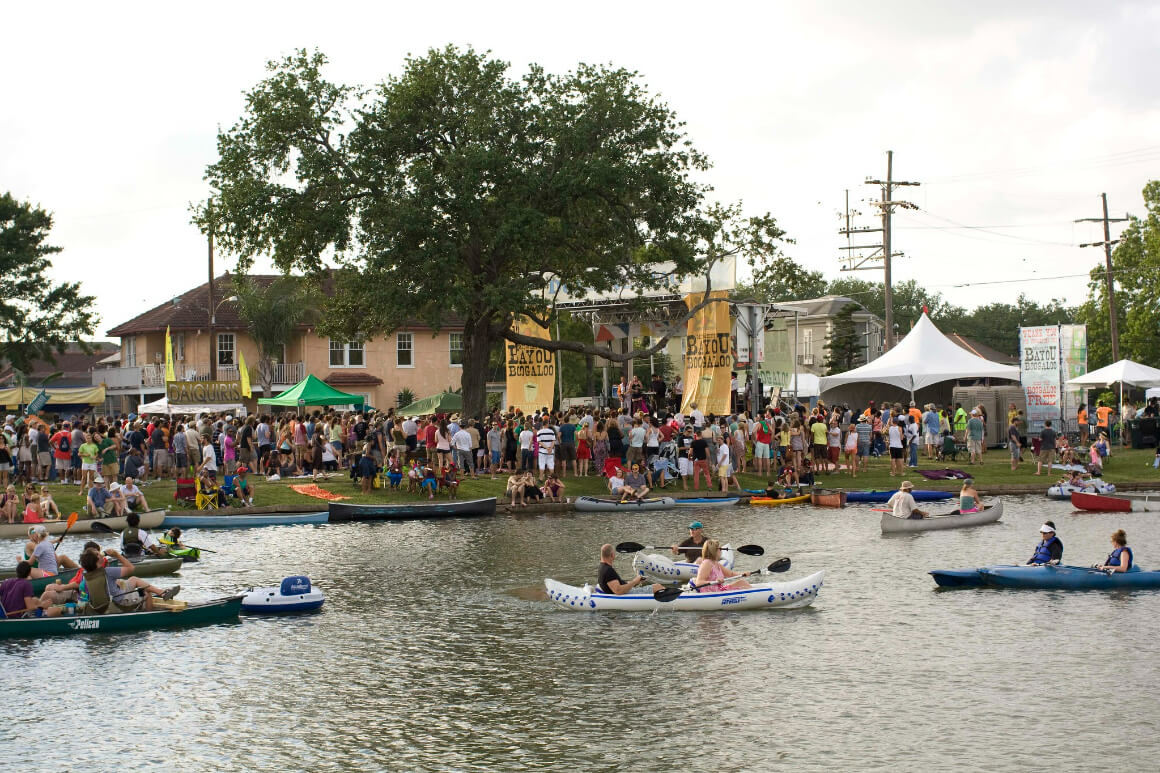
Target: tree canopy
x=38, y=317
x=456, y=194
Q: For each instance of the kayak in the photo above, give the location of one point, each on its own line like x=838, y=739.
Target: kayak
x=828, y=498
x=204, y=613
x=767, y=502
x=892, y=524
x=150, y=519
x=706, y=501
x=203, y=520
x=1063, y=491
x=292, y=595
x=878, y=497
x=663, y=568
x=772, y=595
x=414, y=510
x=1045, y=577
x=599, y=505
x=185, y=554
x=148, y=567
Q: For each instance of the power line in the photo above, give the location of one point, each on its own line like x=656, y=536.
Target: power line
x=1118, y=158
x=986, y=230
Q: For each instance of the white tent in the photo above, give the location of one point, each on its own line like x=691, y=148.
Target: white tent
x=1154, y=392
x=924, y=357
x=1122, y=372
x=163, y=406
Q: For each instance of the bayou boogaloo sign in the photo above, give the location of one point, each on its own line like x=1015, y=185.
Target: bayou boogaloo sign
x=708, y=356
x=531, y=371
x=203, y=392
x=1039, y=374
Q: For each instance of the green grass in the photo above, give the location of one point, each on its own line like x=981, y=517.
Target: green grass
x=1124, y=466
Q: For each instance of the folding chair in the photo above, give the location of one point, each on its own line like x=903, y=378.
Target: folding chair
x=205, y=500
x=186, y=490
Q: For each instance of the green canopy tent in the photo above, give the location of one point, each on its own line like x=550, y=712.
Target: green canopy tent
x=312, y=391
x=444, y=402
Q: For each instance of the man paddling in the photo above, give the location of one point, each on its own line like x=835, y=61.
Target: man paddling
x=136, y=541
x=607, y=579
x=1050, y=548
x=902, y=503
x=692, y=545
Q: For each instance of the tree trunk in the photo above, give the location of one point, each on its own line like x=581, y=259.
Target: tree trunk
x=476, y=350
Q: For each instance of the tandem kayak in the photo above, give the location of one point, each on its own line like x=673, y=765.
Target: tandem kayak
x=150, y=519
x=204, y=613
x=146, y=567
x=1063, y=491
x=453, y=508
x=205, y=520
x=663, y=568
x=705, y=501
x=768, y=502
x=773, y=595
x=893, y=524
x=600, y=505
x=1046, y=577
x=878, y=497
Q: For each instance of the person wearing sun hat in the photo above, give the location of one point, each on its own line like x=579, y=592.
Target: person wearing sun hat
x=902, y=503
x=1050, y=547
x=693, y=544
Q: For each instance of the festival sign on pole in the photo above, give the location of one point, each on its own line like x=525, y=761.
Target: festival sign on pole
x=1073, y=353
x=708, y=359
x=1039, y=366
x=531, y=371
x=777, y=368
x=203, y=392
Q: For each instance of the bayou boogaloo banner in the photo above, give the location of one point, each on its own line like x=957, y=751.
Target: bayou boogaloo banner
x=531, y=371
x=1039, y=374
x=708, y=359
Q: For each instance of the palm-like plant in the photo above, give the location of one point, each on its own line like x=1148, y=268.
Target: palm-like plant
x=271, y=311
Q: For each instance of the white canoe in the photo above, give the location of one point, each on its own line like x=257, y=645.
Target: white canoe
x=149, y=520
x=665, y=569
x=1093, y=486
x=893, y=524
x=606, y=505
x=772, y=595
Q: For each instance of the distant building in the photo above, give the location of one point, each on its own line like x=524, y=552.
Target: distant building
x=982, y=350
x=415, y=357
x=814, y=323
x=72, y=368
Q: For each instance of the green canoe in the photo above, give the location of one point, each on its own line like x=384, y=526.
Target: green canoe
x=205, y=613
x=149, y=567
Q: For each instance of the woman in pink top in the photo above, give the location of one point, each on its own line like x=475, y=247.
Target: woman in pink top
x=229, y=451
x=711, y=575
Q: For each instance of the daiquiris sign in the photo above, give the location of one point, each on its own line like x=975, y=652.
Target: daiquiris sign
x=203, y=392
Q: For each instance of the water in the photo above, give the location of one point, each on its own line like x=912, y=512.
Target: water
x=437, y=651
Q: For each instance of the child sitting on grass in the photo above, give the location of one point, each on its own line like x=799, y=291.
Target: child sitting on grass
x=428, y=482
x=450, y=481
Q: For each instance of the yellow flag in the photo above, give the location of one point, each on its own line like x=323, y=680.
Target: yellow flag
x=244, y=375
x=169, y=357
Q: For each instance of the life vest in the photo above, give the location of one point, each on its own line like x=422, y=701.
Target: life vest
x=131, y=541
x=1114, y=557
x=1043, y=550
x=960, y=420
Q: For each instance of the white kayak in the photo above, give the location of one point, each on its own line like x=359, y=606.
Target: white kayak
x=894, y=524
x=772, y=595
x=665, y=569
x=293, y=595
x=1093, y=486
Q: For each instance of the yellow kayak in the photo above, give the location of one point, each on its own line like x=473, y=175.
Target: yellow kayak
x=767, y=502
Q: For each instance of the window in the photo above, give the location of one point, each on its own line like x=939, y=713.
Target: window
x=225, y=349
x=404, y=350
x=347, y=354
x=455, y=345
x=178, y=342
x=129, y=347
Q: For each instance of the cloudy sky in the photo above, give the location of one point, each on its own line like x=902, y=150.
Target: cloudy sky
x=1013, y=116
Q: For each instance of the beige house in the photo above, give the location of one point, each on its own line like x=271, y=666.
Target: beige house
x=813, y=323
x=206, y=345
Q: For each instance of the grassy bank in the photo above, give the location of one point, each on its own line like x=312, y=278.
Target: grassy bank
x=1124, y=466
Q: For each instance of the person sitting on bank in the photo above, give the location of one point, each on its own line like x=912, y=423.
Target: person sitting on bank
x=902, y=503
x=635, y=485
x=711, y=574
x=969, y=501
x=101, y=502
x=449, y=481
x=553, y=488
x=48, y=509
x=692, y=545
x=428, y=482
x=134, y=498
x=136, y=541
x=243, y=489
x=608, y=581
x=1120, y=559
x=616, y=484
x=515, y=487
x=1050, y=547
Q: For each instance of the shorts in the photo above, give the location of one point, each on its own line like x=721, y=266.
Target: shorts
x=723, y=470
x=567, y=452
x=930, y=439
x=394, y=477
x=635, y=454
x=427, y=483
x=182, y=461
x=160, y=458
x=64, y=464
x=88, y=466
x=685, y=466
x=975, y=446
x=896, y=453
x=244, y=455
x=43, y=458
x=835, y=452
x=495, y=458
x=547, y=462
x=863, y=449
x=5, y=467
x=1014, y=448
x=1047, y=456
x=109, y=471
x=760, y=450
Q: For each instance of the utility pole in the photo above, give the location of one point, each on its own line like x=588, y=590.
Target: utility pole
x=1111, y=285
x=209, y=307
x=857, y=262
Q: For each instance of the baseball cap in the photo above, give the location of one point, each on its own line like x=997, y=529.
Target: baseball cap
x=696, y=525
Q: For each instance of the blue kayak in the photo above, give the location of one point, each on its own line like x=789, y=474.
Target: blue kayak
x=877, y=497
x=1046, y=577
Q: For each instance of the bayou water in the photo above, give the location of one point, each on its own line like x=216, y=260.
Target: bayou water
x=438, y=651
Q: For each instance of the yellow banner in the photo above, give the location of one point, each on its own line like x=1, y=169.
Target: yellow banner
x=531, y=371
x=94, y=395
x=708, y=359
x=169, y=376
x=244, y=375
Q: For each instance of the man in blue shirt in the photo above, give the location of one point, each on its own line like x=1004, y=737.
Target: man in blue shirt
x=566, y=450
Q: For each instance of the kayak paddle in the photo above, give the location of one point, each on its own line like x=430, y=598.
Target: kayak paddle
x=672, y=594
x=636, y=547
x=72, y=519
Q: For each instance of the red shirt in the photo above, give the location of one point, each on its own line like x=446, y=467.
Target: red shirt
x=55, y=440
x=762, y=433
x=429, y=434
x=666, y=432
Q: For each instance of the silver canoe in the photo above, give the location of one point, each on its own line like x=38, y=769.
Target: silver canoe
x=892, y=524
x=149, y=520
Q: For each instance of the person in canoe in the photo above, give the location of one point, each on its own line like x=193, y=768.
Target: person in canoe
x=41, y=553
x=607, y=579
x=1120, y=559
x=969, y=501
x=711, y=574
x=1050, y=547
x=136, y=541
x=113, y=589
x=693, y=544
x=16, y=597
x=902, y=503
x=172, y=538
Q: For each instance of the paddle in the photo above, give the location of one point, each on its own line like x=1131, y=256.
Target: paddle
x=72, y=519
x=104, y=528
x=636, y=547
x=671, y=594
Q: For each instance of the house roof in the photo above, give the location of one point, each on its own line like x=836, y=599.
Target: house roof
x=74, y=365
x=982, y=350
x=352, y=378
x=825, y=306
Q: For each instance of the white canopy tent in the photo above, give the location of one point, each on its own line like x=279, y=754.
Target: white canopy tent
x=163, y=406
x=924, y=357
x=801, y=385
x=1122, y=372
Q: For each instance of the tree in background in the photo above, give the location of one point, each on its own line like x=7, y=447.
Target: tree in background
x=844, y=348
x=454, y=190
x=38, y=318
x=1136, y=269
x=778, y=277
x=271, y=311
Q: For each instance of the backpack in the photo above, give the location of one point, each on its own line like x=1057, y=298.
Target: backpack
x=65, y=445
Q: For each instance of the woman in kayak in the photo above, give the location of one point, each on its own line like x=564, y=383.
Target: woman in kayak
x=969, y=501
x=1120, y=559
x=710, y=574
x=1050, y=548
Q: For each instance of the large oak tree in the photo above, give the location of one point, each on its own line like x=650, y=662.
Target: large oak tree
x=455, y=193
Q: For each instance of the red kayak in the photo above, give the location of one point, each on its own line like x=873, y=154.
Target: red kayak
x=1101, y=503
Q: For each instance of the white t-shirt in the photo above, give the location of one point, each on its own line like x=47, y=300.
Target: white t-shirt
x=208, y=457
x=896, y=437
x=462, y=440
x=410, y=428
x=722, y=454
x=698, y=418
x=526, y=440
x=834, y=436
x=902, y=504
x=547, y=440
x=615, y=482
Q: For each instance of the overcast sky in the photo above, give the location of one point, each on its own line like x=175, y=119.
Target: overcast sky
x=1013, y=116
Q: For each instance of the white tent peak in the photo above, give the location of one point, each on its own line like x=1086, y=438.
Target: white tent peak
x=924, y=357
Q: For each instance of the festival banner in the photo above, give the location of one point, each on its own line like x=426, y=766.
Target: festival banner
x=169, y=374
x=1073, y=352
x=1039, y=368
x=244, y=375
x=777, y=368
x=531, y=371
x=708, y=359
